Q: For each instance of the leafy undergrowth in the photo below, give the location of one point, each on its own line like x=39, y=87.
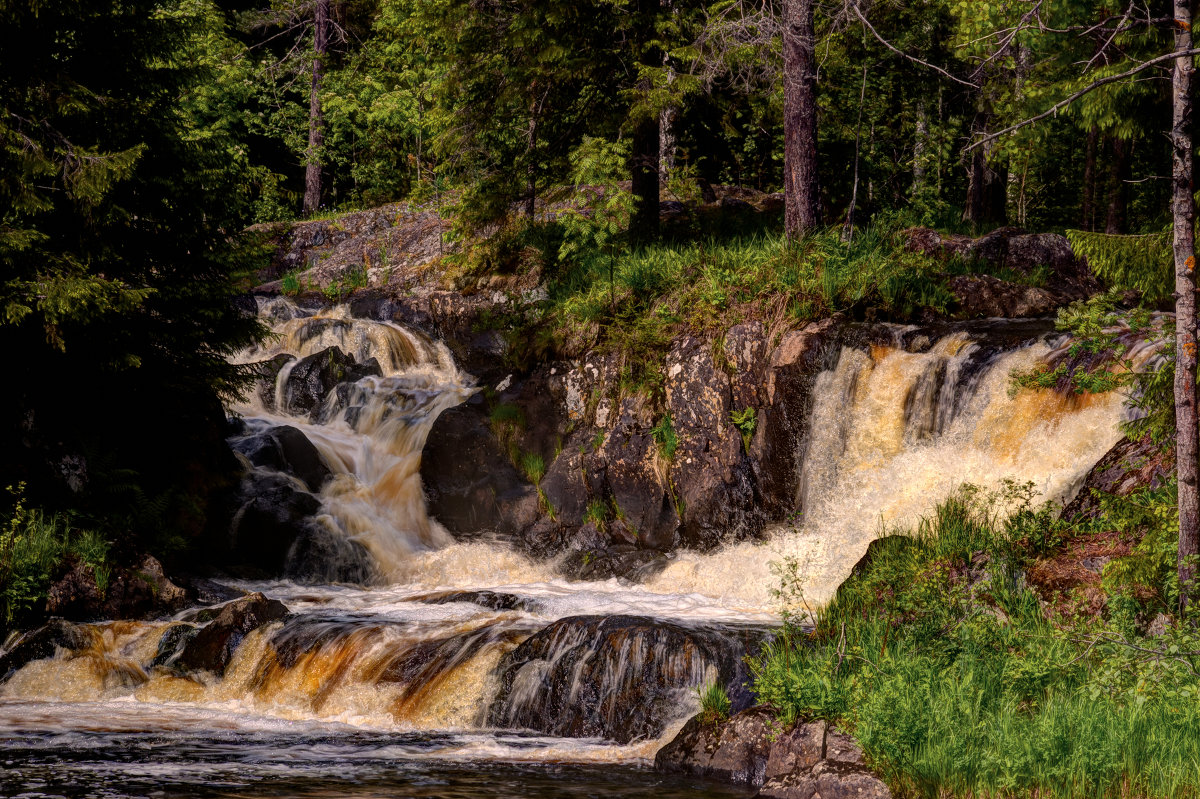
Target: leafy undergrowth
x=634, y=302
x=33, y=546
x=960, y=679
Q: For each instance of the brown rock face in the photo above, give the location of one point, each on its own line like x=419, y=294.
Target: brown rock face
x=213, y=647
x=1127, y=467
x=813, y=759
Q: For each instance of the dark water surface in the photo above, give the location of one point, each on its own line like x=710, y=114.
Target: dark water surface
x=184, y=758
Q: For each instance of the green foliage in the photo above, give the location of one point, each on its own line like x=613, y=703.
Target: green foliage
x=292, y=283
x=596, y=513
x=533, y=466
x=33, y=545
x=1142, y=263
x=665, y=436
x=1100, y=359
x=746, y=422
x=956, y=682
x=121, y=197
x=714, y=703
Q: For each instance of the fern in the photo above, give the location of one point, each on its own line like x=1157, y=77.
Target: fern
x=1140, y=263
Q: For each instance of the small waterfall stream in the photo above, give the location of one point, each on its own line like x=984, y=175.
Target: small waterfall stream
x=465, y=652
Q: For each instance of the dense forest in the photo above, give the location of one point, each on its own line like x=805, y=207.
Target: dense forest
x=634, y=178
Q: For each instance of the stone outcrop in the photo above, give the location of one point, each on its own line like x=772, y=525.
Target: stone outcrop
x=43, y=642
x=616, y=677
x=312, y=379
x=284, y=449
x=1029, y=255
x=212, y=648
x=139, y=592
x=811, y=760
x=1129, y=466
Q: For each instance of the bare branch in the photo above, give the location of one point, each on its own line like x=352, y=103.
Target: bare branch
x=900, y=52
x=1061, y=104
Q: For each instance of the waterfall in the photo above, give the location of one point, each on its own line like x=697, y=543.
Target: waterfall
x=482, y=654
x=894, y=432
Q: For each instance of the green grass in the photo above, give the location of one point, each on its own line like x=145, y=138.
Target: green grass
x=634, y=303
x=957, y=683
x=32, y=546
x=714, y=703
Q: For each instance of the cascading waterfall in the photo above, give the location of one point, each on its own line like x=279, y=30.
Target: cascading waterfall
x=893, y=430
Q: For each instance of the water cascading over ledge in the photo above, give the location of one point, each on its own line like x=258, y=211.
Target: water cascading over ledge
x=471, y=638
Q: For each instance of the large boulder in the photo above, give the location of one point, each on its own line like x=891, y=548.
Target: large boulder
x=810, y=760
x=710, y=471
x=986, y=296
x=275, y=512
x=138, y=592
x=1127, y=467
x=468, y=478
x=312, y=379
x=44, y=642
x=213, y=647
x=285, y=449
x=605, y=676
x=266, y=375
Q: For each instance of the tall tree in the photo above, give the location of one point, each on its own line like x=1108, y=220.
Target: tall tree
x=802, y=211
x=1183, y=207
x=316, y=125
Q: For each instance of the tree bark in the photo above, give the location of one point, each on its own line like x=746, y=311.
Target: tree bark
x=802, y=211
x=316, y=132
x=1118, y=188
x=1183, y=209
x=987, y=187
x=1087, y=215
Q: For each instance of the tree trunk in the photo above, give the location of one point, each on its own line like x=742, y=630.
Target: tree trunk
x=666, y=142
x=316, y=133
x=1087, y=215
x=1183, y=208
x=1118, y=188
x=802, y=211
x=920, y=148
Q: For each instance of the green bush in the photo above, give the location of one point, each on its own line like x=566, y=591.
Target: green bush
x=956, y=683
x=32, y=546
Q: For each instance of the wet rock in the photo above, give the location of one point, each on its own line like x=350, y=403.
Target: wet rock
x=465, y=470
x=711, y=475
x=987, y=296
x=142, y=592
x=172, y=643
x=1128, y=467
x=285, y=449
x=275, y=512
x=808, y=761
x=621, y=561
x=320, y=555
x=782, y=421
x=212, y=648
x=315, y=376
x=492, y=600
x=209, y=592
x=565, y=486
x=43, y=642
x=616, y=677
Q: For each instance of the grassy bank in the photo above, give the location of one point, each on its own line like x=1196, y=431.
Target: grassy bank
x=958, y=680
x=634, y=301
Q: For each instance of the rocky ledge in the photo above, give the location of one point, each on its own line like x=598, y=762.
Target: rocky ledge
x=811, y=760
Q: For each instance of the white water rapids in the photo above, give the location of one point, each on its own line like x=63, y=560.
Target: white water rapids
x=892, y=433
